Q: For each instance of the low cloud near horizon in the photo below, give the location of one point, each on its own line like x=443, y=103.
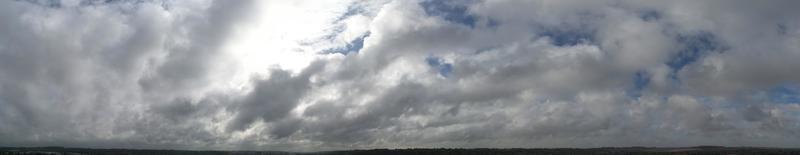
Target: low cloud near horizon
x=297, y=75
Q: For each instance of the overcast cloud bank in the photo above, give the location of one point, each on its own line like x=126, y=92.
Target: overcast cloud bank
x=310, y=75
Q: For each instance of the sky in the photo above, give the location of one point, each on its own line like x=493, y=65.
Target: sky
x=310, y=75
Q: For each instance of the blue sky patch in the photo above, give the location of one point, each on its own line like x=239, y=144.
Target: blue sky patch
x=46, y=3
x=354, y=45
x=784, y=94
x=569, y=37
x=444, y=69
x=650, y=15
x=693, y=48
x=640, y=81
x=452, y=11
x=782, y=29
x=492, y=23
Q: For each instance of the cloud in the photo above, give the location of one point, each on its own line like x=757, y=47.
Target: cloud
x=274, y=98
x=75, y=72
x=299, y=75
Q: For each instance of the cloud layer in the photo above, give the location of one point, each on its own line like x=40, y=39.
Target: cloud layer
x=304, y=76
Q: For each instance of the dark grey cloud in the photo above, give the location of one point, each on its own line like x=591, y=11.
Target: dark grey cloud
x=272, y=99
x=372, y=74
